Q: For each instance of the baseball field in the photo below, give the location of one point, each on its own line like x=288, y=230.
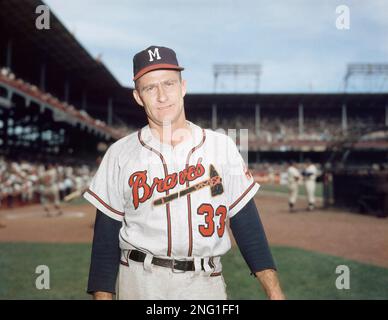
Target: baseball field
x=307, y=247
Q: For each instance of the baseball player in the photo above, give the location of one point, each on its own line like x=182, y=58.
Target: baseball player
x=11, y=187
x=30, y=179
x=49, y=190
x=164, y=195
x=294, y=178
x=310, y=177
x=3, y=168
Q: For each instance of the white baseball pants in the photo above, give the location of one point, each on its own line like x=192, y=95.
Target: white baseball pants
x=134, y=282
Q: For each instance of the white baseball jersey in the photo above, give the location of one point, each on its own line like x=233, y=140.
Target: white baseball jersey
x=293, y=175
x=173, y=201
x=312, y=172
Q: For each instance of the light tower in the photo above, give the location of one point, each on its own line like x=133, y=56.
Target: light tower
x=237, y=71
x=366, y=77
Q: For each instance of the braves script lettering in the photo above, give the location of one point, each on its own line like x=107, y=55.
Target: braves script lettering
x=138, y=181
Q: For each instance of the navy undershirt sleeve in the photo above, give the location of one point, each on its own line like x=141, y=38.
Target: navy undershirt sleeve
x=105, y=258
x=250, y=237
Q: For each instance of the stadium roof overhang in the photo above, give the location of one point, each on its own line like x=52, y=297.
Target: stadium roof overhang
x=57, y=43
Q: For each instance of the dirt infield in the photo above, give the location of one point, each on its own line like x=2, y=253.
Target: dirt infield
x=30, y=224
x=344, y=234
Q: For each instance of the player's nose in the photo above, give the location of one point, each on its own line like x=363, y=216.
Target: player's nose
x=162, y=96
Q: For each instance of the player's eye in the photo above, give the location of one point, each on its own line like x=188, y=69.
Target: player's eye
x=170, y=83
x=149, y=89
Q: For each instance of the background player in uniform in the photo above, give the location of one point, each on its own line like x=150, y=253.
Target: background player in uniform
x=163, y=196
x=310, y=176
x=49, y=190
x=294, y=177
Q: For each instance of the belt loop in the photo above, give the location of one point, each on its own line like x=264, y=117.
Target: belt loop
x=148, y=262
x=197, y=265
x=206, y=266
x=211, y=262
x=127, y=255
x=216, y=264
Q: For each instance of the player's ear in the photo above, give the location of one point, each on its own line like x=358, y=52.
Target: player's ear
x=137, y=97
x=183, y=87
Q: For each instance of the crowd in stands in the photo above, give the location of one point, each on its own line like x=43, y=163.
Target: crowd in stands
x=277, y=129
x=322, y=128
x=6, y=76
x=23, y=182
x=365, y=122
x=282, y=129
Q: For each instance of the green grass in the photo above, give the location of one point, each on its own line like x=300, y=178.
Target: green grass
x=68, y=265
x=284, y=189
x=306, y=275
x=303, y=274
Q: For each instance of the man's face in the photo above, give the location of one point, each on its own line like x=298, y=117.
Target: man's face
x=161, y=94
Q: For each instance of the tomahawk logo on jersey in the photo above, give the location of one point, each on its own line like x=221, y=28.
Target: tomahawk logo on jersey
x=173, y=201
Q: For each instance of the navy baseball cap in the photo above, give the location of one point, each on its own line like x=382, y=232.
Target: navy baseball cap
x=154, y=58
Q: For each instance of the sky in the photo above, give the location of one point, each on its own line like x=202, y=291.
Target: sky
x=296, y=42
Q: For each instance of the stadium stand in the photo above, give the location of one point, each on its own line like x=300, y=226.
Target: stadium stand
x=21, y=182
x=60, y=108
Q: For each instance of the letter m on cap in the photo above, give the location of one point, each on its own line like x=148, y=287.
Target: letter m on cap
x=154, y=54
